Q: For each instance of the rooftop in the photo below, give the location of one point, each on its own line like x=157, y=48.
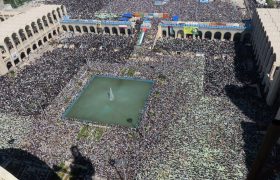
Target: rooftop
x=24, y=18
x=271, y=23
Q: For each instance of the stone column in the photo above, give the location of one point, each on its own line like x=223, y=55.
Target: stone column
x=273, y=89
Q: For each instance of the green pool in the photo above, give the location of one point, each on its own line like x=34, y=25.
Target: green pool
x=110, y=100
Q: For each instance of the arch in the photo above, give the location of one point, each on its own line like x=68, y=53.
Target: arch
x=16, y=61
x=8, y=43
x=115, y=31
x=2, y=49
x=40, y=43
x=50, y=35
x=237, y=37
x=28, y=51
x=58, y=12
x=129, y=31
x=107, y=30
x=208, y=35
x=9, y=65
x=78, y=29
x=54, y=16
x=50, y=18
x=40, y=25
x=34, y=28
x=85, y=29
x=22, y=35
x=199, y=34
x=171, y=32
x=92, y=29
x=28, y=31
x=64, y=28
x=247, y=38
x=22, y=55
x=15, y=39
x=34, y=46
x=2, y=19
x=45, y=39
x=227, y=36
x=71, y=28
x=164, y=33
x=45, y=22
x=63, y=10
x=122, y=31
x=54, y=32
x=180, y=34
x=99, y=30
x=218, y=35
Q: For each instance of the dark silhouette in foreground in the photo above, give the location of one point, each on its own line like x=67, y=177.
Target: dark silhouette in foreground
x=25, y=166
x=81, y=167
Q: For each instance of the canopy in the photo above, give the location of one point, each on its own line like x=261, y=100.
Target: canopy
x=175, y=18
x=128, y=15
x=123, y=19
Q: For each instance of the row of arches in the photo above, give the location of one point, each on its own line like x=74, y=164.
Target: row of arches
x=33, y=47
x=36, y=27
x=237, y=37
x=98, y=30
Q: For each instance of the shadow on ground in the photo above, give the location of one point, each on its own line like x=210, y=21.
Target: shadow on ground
x=25, y=166
x=80, y=167
x=247, y=99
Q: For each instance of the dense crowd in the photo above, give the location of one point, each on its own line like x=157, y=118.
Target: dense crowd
x=202, y=118
x=188, y=10
x=200, y=101
x=83, y=9
x=32, y=89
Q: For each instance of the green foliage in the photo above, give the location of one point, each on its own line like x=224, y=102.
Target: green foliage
x=15, y=3
x=271, y=3
x=94, y=133
x=97, y=133
x=123, y=71
x=162, y=77
x=84, y=132
x=132, y=135
x=62, y=169
x=80, y=83
x=12, y=74
x=157, y=93
x=131, y=72
x=127, y=72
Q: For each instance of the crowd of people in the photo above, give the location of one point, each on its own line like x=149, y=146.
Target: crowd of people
x=188, y=10
x=188, y=90
x=29, y=91
x=202, y=117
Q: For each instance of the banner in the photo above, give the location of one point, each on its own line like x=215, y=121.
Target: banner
x=190, y=30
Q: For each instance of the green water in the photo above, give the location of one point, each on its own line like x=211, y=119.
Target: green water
x=93, y=104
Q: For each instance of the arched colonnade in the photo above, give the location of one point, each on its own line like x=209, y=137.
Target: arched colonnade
x=16, y=47
x=236, y=36
x=112, y=30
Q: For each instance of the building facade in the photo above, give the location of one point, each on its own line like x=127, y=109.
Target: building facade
x=98, y=27
x=233, y=32
x=266, y=45
x=26, y=32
